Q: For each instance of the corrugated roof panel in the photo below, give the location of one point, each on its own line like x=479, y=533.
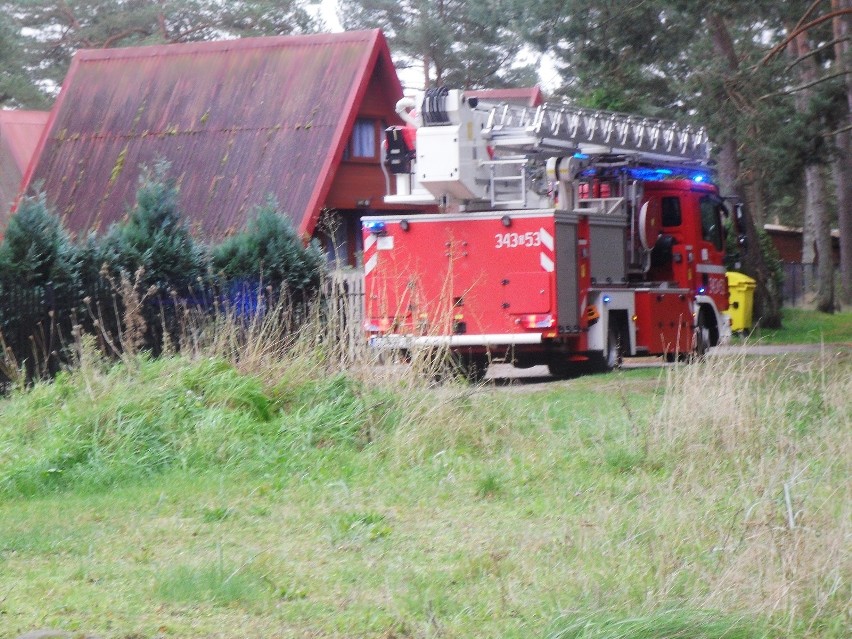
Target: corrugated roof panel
x=238, y=120
x=20, y=132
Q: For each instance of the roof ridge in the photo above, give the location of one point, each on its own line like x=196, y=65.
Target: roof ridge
x=229, y=44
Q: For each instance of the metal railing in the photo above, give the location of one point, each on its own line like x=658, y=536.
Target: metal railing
x=567, y=128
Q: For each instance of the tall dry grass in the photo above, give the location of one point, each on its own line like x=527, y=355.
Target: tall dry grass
x=767, y=444
x=732, y=492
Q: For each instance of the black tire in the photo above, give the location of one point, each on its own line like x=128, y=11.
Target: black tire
x=474, y=367
x=561, y=369
x=611, y=357
x=702, y=337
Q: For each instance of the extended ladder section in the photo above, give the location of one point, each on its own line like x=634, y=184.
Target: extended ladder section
x=565, y=129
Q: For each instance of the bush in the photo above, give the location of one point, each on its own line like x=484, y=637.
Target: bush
x=135, y=286
x=270, y=251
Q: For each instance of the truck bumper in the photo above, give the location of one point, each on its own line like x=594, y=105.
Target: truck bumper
x=397, y=342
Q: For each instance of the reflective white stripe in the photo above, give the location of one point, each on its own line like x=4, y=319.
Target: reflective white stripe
x=546, y=263
x=710, y=268
x=371, y=264
x=546, y=239
x=402, y=341
x=368, y=243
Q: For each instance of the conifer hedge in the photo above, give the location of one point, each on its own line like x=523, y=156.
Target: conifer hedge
x=50, y=283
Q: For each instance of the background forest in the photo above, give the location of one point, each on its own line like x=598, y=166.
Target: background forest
x=770, y=79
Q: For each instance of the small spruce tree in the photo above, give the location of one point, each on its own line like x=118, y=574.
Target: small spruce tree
x=37, y=251
x=154, y=237
x=270, y=251
x=39, y=290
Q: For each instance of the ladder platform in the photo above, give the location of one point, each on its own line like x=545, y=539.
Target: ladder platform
x=569, y=129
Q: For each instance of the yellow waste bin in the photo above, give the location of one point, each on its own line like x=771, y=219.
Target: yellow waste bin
x=740, y=301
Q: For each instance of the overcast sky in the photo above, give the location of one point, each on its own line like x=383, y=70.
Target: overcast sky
x=328, y=11
x=413, y=78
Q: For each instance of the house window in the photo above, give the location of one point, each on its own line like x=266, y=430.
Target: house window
x=362, y=145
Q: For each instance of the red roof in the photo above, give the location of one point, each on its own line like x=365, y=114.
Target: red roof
x=530, y=97
x=19, y=135
x=238, y=120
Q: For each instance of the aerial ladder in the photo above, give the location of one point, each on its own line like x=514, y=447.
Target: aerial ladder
x=493, y=155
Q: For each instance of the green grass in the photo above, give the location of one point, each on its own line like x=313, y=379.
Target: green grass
x=663, y=625
x=192, y=498
x=807, y=327
x=215, y=583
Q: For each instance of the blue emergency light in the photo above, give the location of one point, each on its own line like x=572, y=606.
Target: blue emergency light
x=376, y=227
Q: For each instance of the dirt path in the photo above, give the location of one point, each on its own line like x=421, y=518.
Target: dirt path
x=540, y=374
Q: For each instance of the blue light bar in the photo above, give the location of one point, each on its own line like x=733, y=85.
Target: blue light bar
x=376, y=227
x=654, y=173
x=606, y=299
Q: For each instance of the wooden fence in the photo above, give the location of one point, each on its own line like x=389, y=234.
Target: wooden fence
x=345, y=294
x=37, y=323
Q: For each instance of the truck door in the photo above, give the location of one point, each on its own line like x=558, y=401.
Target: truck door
x=710, y=255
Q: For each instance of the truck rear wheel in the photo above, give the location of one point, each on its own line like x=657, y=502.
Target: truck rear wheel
x=473, y=367
x=562, y=368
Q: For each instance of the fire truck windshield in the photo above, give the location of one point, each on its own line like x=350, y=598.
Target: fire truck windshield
x=711, y=222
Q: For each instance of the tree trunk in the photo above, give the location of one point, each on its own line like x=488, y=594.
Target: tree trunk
x=816, y=215
x=767, y=297
x=843, y=159
x=815, y=188
x=843, y=192
x=427, y=66
x=809, y=254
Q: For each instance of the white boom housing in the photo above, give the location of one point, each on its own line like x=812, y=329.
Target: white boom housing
x=469, y=156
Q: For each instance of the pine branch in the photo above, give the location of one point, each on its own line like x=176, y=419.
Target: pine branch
x=812, y=52
x=791, y=36
x=808, y=85
x=110, y=41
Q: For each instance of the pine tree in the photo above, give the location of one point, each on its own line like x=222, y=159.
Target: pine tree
x=154, y=238
x=37, y=251
x=464, y=44
x=17, y=88
x=269, y=251
x=39, y=289
x=56, y=30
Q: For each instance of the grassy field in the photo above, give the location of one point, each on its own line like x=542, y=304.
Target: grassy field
x=802, y=326
x=250, y=496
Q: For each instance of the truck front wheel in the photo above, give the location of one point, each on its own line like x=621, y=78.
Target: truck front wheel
x=612, y=355
x=702, y=339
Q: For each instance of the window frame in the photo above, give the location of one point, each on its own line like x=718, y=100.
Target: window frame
x=349, y=151
x=718, y=240
x=678, y=209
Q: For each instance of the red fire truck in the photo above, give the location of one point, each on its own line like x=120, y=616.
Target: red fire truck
x=565, y=236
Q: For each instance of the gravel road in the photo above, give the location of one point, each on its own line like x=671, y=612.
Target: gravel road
x=541, y=374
